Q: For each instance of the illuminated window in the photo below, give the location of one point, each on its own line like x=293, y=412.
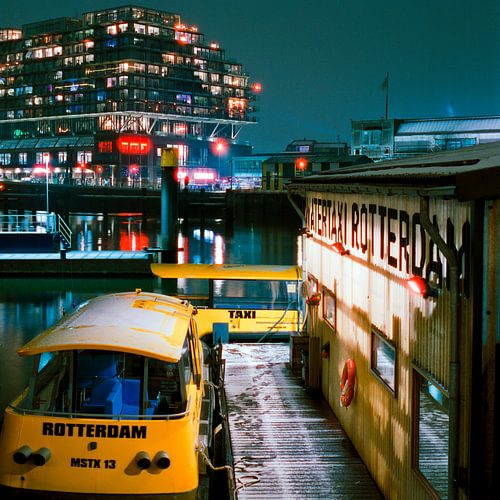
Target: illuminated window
x=111, y=82
x=105, y=146
x=62, y=157
x=168, y=58
x=5, y=158
x=383, y=359
x=330, y=308
x=153, y=69
x=430, y=432
x=84, y=157
x=185, y=98
x=123, y=81
x=23, y=158
x=214, y=90
x=139, y=28
x=201, y=75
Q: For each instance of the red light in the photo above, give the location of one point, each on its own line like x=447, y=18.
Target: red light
x=98, y=169
x=2, y=186
x=219, y=147
x=418, y=285
x=133, y=169
x=301, y=163
x=134, y=144
x=183, y=39
x=257, y=87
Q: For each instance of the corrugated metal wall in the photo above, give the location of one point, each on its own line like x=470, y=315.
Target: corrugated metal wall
x=386, y=245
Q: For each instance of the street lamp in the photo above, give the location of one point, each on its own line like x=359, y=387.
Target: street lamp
x=46, y=159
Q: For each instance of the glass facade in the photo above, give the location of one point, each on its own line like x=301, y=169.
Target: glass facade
x=124, y=70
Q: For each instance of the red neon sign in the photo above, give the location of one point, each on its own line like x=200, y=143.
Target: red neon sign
x=134, y=144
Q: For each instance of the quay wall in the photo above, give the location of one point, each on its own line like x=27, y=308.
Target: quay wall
x=64, y=199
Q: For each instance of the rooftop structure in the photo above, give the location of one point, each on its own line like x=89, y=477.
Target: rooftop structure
x=101, y=95
x=383, y=139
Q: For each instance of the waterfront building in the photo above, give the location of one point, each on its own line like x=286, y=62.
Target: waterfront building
x=401, y=269
x=271, y=171
x=306, y=157
x=98, y=97
x=384, y=139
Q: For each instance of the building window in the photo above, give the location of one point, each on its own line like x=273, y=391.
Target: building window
x=62, y=157
x=5, y=158
x=23, y=158
x=383, y=359
x=373, y=137
x=430, y=432
x=330, y=308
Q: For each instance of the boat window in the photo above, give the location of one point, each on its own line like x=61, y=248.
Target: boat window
x=164, y=388
x=49, y=389
x=185, y=363
x=254, y=294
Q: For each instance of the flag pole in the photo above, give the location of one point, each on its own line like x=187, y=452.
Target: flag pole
x=387, y=96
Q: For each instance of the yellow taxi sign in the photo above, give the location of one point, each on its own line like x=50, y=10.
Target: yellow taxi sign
x=169, y=157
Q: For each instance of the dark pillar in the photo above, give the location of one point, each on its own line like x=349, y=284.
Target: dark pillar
x=168, y=205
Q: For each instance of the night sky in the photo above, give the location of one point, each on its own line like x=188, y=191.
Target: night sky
x=322, y=63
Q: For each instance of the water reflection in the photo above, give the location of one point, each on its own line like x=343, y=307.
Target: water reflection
x=29, y=306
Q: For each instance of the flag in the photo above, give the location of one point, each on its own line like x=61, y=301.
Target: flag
x=385, y=83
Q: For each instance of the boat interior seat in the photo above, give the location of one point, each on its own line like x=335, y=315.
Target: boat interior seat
x=131, y=396
x=105, y=397
x=97, y=376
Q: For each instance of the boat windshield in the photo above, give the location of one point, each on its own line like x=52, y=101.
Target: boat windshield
x=106, y=384
x=240, y=293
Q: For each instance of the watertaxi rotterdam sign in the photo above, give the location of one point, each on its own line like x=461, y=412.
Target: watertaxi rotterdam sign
x=387, y=232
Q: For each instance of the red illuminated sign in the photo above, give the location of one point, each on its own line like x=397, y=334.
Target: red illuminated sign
x=134, y=144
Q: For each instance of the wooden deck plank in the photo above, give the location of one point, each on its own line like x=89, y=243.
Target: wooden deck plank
x=286, y=443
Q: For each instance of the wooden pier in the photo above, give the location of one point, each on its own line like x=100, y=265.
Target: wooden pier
x=285, y=442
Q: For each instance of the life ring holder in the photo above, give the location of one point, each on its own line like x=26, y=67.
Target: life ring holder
x=347, y=383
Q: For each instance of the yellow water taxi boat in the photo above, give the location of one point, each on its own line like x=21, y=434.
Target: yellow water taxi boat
x=240, y=301
x=118, y=403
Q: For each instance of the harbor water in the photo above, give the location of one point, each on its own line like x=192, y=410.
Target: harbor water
x=28, y=306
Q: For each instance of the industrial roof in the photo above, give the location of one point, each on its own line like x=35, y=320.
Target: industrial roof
x=467, y=173
x=452, y=125
x=146, y=324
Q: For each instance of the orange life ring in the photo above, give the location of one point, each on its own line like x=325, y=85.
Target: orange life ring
x=347, y=383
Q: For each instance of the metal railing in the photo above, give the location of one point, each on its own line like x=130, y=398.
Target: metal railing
x=64, y=232
x=40, y=222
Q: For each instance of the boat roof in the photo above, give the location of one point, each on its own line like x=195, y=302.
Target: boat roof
x=146, y=324
x=227, y=271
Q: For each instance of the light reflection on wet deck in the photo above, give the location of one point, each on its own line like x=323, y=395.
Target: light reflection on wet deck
x=286, y=443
